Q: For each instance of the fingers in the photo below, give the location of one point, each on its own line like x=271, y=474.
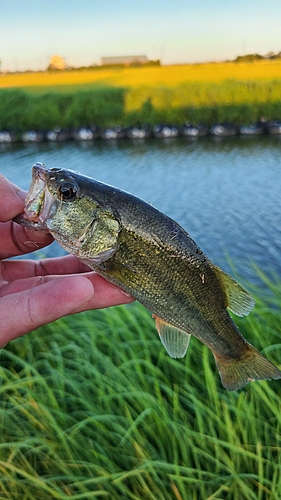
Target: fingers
x=21, y=269
x=12, y=199
x=26, y=311
x=106, y=294
x=17, y=240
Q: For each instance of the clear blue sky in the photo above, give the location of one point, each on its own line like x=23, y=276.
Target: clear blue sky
x=176, y=31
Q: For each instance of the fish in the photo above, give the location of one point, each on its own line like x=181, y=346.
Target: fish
x=152, y=258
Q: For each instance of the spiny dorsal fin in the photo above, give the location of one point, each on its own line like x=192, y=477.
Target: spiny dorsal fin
x=238, y=300
x=174, y=340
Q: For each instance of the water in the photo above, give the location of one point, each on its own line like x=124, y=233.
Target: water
x=225, y=193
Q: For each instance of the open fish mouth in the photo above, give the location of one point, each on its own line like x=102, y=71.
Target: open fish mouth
x=38, y=201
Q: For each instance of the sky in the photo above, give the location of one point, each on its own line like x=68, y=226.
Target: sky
x=174, y=31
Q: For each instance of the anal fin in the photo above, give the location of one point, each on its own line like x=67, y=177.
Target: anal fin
x=174, y=340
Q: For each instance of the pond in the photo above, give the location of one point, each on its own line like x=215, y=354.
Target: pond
x=224, y=192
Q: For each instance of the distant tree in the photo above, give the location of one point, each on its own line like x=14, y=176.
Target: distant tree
x=57, y=63
x=272, y=55
x=248, y=58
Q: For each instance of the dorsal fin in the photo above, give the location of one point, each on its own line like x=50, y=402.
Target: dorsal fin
x=174, y=340
x=239, y=301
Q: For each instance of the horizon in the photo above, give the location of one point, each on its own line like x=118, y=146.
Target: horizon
x=175, y=34
x=263, y=57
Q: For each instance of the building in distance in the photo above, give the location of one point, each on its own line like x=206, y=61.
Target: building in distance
x=126, y=61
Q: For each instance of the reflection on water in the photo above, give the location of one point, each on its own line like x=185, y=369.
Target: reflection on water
x=224, y=191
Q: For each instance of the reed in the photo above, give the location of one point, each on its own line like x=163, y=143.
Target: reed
x=92, y=406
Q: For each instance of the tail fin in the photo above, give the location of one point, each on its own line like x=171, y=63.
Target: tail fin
x=235, y=373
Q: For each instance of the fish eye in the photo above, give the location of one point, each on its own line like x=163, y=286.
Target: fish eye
x=68, y=191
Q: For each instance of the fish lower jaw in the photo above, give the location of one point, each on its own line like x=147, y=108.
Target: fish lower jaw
x=30, y=221
x=32, y=217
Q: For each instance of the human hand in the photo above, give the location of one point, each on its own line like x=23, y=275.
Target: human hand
x=36, y=292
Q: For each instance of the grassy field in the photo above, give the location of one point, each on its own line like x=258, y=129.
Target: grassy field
x=93, y=407
x=153, y=76
x=236, y=92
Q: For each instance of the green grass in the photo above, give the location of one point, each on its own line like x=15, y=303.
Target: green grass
x=21, y=110
x=92, y=407
x=240, y=102
x=228, y=100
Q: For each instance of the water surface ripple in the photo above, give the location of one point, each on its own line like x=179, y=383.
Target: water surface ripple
x=225, y=193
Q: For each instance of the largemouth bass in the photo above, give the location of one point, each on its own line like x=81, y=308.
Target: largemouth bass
x=148, y=255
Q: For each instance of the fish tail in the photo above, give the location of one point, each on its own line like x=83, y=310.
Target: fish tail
x=252, y=365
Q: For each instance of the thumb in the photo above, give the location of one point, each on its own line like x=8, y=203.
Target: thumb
x=25, y=311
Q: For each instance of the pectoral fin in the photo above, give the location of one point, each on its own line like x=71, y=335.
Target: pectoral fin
x=238, y=300
x=174, y=340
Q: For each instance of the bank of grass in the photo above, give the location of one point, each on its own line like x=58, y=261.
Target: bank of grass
x=21, y=111
x=240, y=93
x=236, y=102
x=92, y=407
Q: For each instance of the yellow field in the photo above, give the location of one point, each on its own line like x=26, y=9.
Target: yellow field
x=150, y=75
